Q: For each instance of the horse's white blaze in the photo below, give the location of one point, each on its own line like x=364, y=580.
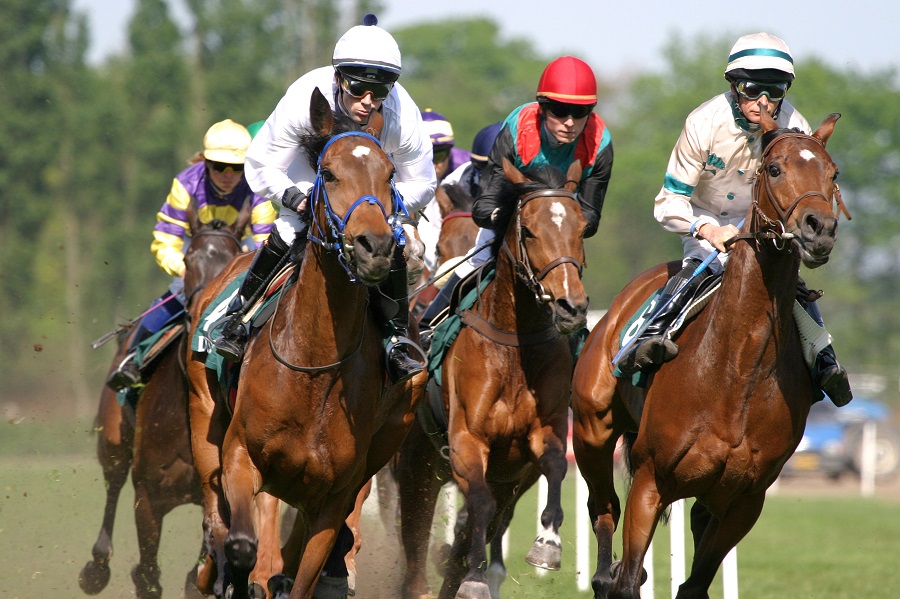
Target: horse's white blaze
x=807, y=154
x=360, y=151
x=557, y=214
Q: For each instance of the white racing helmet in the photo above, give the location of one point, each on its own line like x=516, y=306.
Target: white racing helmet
x=368, y=53
x=760, y=57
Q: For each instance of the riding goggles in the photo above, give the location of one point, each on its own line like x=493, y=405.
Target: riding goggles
x=752, y=90
x=221, y=167
x=441, y=153
x=359, y=89
x=562, y=110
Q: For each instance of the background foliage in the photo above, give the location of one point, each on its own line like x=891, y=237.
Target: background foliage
x=90, y=152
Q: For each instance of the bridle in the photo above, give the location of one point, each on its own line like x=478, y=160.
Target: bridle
x=330, y=234
x=523, y=267
x=763, y=228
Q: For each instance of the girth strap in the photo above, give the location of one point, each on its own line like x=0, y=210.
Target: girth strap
x=509, y=338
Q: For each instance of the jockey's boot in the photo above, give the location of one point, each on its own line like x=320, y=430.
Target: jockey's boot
x=435, y=310
x=653, y=347
x=232, y=341
x=163, y=310
x=400, y=365
x=827, y=372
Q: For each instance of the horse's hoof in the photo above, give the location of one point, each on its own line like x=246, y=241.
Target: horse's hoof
x=471, y=589
x=280, y=586
x=351, y=584
x=257, y=591
x=545, y=554
x=495, y=575
x=94, y=577
x=617, y=565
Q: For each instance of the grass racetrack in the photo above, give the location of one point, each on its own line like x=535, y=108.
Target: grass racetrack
x=807, y=544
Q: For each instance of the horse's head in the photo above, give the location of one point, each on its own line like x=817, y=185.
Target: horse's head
x=545, y=241
x=796, y=191
x=212, y=246
x=458, y=230
x=354, y=192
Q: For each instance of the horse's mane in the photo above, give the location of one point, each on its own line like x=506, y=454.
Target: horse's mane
x=314, y=142
x=461, y=199
x=769, y=137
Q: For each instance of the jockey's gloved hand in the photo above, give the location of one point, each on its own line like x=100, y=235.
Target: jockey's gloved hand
x=294, y=199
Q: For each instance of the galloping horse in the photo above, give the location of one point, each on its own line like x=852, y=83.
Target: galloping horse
x=506, y=381
x=719, y=421
x=152, y=441
x=311, y=422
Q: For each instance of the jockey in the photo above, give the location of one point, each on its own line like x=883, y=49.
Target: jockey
x=447, y=158
x=362, y=79
x=704, y=198
x=557, y=129
x=215, y=182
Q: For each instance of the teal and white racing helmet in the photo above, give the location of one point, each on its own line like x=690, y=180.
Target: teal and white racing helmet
x=760, y=57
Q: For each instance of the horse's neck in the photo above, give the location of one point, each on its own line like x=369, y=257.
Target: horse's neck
x=327, y=305
x=508, y=304
x=756, y=298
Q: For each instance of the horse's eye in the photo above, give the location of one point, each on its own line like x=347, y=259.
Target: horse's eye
x=836, y=173
x=527, y=234
x=774, y=171
x=328, y=176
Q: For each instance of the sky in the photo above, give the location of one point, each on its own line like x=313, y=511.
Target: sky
x=620, y=37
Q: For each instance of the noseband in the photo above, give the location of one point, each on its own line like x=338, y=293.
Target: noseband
x=523, y=267
x=334, y=238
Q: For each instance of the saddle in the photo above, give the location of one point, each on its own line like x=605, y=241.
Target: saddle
x=699, y=299
x=146, y=354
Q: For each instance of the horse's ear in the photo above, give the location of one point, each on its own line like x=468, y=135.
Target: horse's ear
x=443, y=200
x=573, y=176
x=193, y=217
x=827, y=127
x=320, y=115
x=243, y=218
x=766, y=121
x=512, y=173
x=375, y=124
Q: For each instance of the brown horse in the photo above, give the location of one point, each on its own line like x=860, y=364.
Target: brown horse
x=153, y=442
x=719, y=421
x=311, y=420
x=506, y=382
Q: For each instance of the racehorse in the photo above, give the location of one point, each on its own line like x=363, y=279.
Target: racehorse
x=311, y=423
x=458, y=233
x=506, y=381
x=152, y=441
x=719, y=421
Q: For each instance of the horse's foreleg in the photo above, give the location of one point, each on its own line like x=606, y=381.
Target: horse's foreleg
x=241, y=483
x=717, y=539
x=546, y=552
x=353, y=523
x=469, y=458
x=208, y=422
x=419, y=484
x=148, y=522
x=324, y=532
x=642, y=512
x=115, y=442
x=267, y=516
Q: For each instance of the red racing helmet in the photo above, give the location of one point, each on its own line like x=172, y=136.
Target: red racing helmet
x=569, y=80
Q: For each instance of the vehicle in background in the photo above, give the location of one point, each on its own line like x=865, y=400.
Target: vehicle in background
x=832, y=441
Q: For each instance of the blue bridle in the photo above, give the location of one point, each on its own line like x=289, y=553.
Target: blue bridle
x=335, y=239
